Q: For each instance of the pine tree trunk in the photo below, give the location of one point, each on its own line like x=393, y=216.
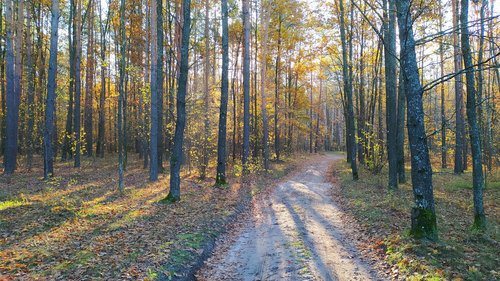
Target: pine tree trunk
x=459, y=119
x=391, y=90
x=31, y=90
x=246, y=83
x=153, y=137
x=176, y=158
x=48, y=136
x=220, y=178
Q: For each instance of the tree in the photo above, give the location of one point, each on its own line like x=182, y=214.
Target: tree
x=78, y=83
x=176, y=158
x=423, y=215
x=220, y=178
x=459, y=118
x=13, y=73
x=102, y=98
x=390, y=90
x=48, y=137
x=246, y=83
x=159, y=83
x=263, y=72
x=153, y=142
x=351, y=141
x=121, y=94
x=474, y=132
x=206, y=99
x=89, y=84
x=31, y=89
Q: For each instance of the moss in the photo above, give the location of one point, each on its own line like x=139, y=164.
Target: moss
x=170, y=199
x=220, y=181
x=479, y=222
x=423, y=224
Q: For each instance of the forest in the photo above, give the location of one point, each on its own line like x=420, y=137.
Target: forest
x=249, y=140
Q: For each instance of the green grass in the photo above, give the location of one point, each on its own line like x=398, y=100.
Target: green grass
x=461, y=252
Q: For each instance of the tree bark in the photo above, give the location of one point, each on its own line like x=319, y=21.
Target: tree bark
x=246, y=83
x=220, y=178
x=474, y=131
x=423, y=214
x=153, y=137
x=459, y=118
x=176, y=158
x=48, y=137
x=391, y=90
x=348, y=92
x=265, y=136
x=121, y=94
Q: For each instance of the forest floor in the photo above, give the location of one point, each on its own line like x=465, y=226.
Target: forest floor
x=295, y=231
x=76, y=226
x=382, y=220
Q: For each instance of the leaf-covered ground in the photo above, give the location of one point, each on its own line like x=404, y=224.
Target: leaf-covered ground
x=384, y=218
x=78, y=227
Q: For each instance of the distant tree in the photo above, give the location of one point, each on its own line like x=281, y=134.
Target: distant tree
x=78, y=83
x=459, y=118
x=48, y=136
x=423, y=215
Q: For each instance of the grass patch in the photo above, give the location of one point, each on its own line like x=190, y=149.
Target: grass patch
x=460, y=253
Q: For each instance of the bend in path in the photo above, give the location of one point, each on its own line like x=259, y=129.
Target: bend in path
x=294, y=234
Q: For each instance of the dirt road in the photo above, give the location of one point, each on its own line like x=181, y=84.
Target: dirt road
x=294, y=234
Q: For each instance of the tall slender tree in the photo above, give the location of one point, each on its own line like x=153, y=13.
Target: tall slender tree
x=31, y=87
x=153, y=142
x=78, y=82
x=121, y=94
x=13, y=85
x=348, y=94
x=220, y=178
x=474, y=131
x=265, y=14
x=49, y=130
x=160, y=82
x=459, y=118
x=246, y=83
x=423, y=215
x=391, y=90
x=176, y=158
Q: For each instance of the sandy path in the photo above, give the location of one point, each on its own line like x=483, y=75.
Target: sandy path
x=294, y=234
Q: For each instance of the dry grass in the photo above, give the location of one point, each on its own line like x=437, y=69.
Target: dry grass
x=77, y=226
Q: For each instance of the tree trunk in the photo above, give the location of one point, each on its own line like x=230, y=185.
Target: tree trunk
x=246, y=83
x=121, y=94
x=474, y=131
x=265, y=136
x=348, y=92
x=13, y=86
x=31, y=90
x=78, y=83
x=153, y=137
x=220, y=178
x=444, y=148
x=401, y=129
x=206, y=97
x=459, y=118
x=391, y=89
x=277, y=82
x=68, y=133
x=159, y=83
x=48, y=136
x=423, y=215
x=89, y=85
x=176, y=158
